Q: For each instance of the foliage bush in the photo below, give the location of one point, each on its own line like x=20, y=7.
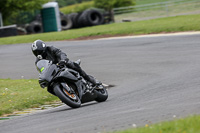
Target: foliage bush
x=23, y=17
x=104, y=4
x=110, y=4
x=9, y=8
x=77, y=7
x=63, y=3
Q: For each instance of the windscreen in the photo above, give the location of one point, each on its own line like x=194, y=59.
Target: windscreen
x=42, y=65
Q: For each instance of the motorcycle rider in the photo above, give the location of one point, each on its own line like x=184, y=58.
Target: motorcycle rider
x=41, y=51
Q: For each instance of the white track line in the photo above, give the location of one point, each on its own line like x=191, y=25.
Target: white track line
x=152, y=35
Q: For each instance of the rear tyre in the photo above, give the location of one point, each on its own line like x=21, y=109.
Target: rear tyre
x=74, y=17
x=34, y=27
x=66, y=22
x=102, y=95
x=68, y=98
x=90, y=17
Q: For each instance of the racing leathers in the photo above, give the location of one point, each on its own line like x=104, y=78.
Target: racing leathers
x=57, y=56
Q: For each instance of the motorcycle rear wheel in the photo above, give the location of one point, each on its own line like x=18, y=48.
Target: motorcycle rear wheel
x=71, y=100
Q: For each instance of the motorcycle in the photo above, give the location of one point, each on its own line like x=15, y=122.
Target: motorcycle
x=68, y=85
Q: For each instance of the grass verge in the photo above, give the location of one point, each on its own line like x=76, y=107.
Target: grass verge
x=186, y=125
x=170, y=24
x=160, y=11
x=16, y=95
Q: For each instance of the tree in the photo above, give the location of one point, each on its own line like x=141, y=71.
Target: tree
x=63, y=3
x=7, y=7
x=108, y=5
x=123, y=3
x=104, y=4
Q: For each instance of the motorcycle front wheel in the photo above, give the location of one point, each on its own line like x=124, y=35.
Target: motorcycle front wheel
x=68, y=98
x=102, y=95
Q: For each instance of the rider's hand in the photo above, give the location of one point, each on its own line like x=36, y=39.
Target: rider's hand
x=62, y=63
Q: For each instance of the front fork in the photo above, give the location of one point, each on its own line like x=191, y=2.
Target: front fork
x=64, y=85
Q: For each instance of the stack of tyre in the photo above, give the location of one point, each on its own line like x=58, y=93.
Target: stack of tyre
x=35, y=26
x=89, y=17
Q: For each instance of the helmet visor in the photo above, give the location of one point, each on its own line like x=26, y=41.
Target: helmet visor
x=40, y=54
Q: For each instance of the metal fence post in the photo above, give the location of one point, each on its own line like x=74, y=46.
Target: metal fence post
x=167, y=8
x=1, y=20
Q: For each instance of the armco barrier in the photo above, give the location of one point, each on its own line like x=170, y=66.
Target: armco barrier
x=89, y=17
x=8, y=31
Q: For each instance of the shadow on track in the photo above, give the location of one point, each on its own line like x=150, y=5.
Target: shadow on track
x=69, y=108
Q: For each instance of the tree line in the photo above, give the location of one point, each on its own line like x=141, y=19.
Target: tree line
x=19, y=11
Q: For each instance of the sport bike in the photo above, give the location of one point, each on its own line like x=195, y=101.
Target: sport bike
x=68, y=85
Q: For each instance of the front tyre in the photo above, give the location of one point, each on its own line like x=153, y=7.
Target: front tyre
x=71, y=100
x=102, y=95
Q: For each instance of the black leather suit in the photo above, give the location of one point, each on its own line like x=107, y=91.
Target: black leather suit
x=56, y=55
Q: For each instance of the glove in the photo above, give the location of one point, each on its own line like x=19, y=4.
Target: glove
x=62, y=63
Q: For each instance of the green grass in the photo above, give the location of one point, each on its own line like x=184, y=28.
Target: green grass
x=143, y=2
x=160, y=11
x=16, y=95
x=186, y=125
x=170, y=24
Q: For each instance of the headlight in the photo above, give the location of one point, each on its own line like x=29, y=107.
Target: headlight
x=43, y=83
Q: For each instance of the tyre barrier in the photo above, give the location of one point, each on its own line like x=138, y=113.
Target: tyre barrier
x=38, y=18
x=74, y=17
x=90, y=18
x=34, y=27
x=66, y=22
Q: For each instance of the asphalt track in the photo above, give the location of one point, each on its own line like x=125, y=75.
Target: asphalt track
x=156, y=78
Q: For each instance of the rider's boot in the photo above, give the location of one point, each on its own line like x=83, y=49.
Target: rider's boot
x=76, y=66
x=92, y=80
